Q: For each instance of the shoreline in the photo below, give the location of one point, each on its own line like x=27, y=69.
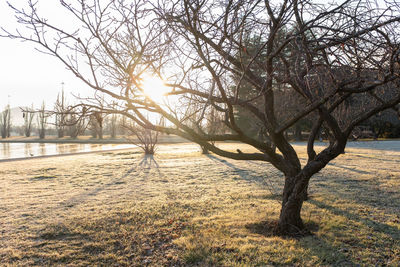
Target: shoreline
x=164, y=142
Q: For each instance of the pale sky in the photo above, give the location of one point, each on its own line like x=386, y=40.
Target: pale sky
x=28, y=76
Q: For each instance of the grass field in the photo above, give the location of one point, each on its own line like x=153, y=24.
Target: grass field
x=182, y=208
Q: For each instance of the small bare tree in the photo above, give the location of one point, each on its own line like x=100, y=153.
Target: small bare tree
x=97, y=119
x=121, y=122
x=42, y=121
x=75, y=124
x=96, y=124
x=112, y=125
x=28, y=115
x=5, y=122
x=92, y=126
x=60, y=110
x=144, y=138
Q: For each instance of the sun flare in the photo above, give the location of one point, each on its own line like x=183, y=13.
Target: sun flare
x=154, y=88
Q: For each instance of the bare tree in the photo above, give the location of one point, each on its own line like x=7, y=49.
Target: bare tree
x=60, y=110
x=113, y=126
x=98, y=118
x=95, y=124
x=42, y=121
x=93, y=127
x=28, y=115
x=113, y=123
x=198, y=47
x=144, y=138
x=8, y=122
x=5, y=122
x=75, y=123
x=121, y=122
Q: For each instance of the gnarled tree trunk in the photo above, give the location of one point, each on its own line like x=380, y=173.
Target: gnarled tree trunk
x=290, y=222
x=295, y=190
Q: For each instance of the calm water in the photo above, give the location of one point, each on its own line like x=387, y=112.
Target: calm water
x=26, y=150
x=23, y=150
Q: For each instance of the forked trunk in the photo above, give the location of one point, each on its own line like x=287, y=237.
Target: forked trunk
x=295, y=191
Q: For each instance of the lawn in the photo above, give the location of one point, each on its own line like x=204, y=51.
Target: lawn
x=182, y=208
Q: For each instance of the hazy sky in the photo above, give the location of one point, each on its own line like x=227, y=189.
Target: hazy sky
x=28, y=76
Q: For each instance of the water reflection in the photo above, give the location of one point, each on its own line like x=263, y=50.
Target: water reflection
x=26, y=150
x=6, y=149
x=60, y=149
x=42, y=149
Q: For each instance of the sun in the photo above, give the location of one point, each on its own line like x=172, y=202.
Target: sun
x=154, y=88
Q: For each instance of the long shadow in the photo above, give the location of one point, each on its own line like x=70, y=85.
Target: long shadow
x=367, y=192
x=377, y=226
x=146, y=164
x=371, y=158
x=348, y=168
x=274, y=187
x=324, y=250
x=247, y=175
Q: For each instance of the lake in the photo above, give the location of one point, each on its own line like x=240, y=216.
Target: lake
x=25, y=150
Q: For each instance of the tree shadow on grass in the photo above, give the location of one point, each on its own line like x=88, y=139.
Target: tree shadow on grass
x=327, y=253
x=251, y=176
x=269, y=228
x=245, y=174
x=130, y=237
x=317, y=247
x=369, y=157
x=367, y=192
x=389, y=230
x=60, y=232
x=348, y=168
x=146, y=164
x=264, y=228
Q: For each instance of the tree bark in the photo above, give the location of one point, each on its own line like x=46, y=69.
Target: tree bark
x=295, y=189
x=290, y=222
x=305, y=193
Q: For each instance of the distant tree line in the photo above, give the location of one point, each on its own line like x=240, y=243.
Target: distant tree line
x=62, y=121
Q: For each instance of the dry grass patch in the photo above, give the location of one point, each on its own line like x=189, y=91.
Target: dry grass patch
x=182, y=208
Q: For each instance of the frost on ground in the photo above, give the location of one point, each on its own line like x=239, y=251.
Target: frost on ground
x=184, y=208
